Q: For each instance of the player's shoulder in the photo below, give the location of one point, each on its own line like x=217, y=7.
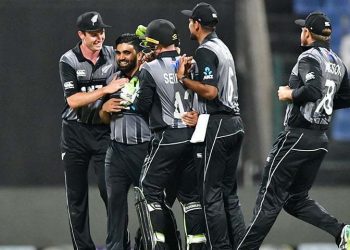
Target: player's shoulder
x=68, y=56
x=312, y=54
x=108, y=50
x=149, y=65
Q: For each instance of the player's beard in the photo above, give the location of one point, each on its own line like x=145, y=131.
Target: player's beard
x=129, y=67
x=193, y=37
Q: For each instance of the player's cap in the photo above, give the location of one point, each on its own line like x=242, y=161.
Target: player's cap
x=161, y=31
x=90, y=21
x=203, y=13
x=316, y=22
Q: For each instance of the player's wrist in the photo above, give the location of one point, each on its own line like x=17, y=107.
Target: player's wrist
x=181, y=78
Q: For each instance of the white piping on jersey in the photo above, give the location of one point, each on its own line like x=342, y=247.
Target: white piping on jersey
x=309, y=150
x=223, y=136
x=69, y=218
x=175, y=143
x=268, y=183
x=205, y=174
x=150, y=159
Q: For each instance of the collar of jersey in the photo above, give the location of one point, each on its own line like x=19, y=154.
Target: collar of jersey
x=172, y=53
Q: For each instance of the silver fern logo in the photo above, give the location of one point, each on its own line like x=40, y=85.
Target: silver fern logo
x=94, y=19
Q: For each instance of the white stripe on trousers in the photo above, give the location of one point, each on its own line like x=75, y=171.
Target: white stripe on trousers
x=69, y=218
x=206, y=164
x=268, y=183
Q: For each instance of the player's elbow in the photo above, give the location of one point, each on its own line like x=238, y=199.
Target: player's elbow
x=211, y=93
x=72, y=103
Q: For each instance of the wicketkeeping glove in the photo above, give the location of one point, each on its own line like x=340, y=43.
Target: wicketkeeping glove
x=141, y=31
x=129, y=91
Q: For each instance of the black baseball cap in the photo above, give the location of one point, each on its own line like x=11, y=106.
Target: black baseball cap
x=161, y=31
x=316, y=22
x=90, y=21
x=203, y=13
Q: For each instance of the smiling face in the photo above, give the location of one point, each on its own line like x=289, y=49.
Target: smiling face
x=93, y=39
x=126, y=57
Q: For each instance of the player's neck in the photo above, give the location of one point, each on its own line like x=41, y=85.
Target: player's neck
x=201, y=36
x=90, y=54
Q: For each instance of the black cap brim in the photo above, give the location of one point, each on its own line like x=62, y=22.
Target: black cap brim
x=300, y=22
x=187, y=12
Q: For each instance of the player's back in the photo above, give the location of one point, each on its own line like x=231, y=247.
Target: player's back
x=171, y=97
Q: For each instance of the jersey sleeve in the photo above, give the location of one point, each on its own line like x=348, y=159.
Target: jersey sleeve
x=310, y=73
x=207, y=63
x=68, y=79
x=342, y=97
x=144, y=99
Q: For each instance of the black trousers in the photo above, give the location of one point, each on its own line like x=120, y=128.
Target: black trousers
x=217, y=158
x=82, y=145
x=289, y=174
x=171, y=156
x=123, y=169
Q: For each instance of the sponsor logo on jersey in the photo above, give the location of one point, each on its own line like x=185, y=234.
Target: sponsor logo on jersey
x=208, y=74
x=309, y=76
x=106, y=68
x=81, y=72
x=333, y=68
x=68, y=85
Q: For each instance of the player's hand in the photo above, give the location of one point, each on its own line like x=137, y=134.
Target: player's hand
x=190, y=118
x=285, y=93
x=185, y=63
x=115, y=85
x=113, y=105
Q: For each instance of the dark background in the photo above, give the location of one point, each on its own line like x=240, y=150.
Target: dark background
x=34, y=34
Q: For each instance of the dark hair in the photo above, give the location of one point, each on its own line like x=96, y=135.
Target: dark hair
x=129, y=38
x=325, y=37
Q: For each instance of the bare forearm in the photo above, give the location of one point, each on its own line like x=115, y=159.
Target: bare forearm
x=204, y=90
x=105, y=117
x=84, y=98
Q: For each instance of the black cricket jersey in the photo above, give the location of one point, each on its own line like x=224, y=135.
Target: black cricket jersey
x=320, y=82
x=216, y=67
x=79, y=74
x=127, y=126
x=161, y=95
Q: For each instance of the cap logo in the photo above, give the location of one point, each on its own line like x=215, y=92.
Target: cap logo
x=327, y=24
x=214, y=15
x=174, y=36
x=94, y=19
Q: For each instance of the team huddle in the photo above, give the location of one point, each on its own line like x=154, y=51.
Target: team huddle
x=169, y=125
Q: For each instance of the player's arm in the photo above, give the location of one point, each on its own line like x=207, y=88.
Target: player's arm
x=342, y=97
x=111, y=106
x=74, y=97
x=310, y=72
x=206, y=85
x=144, y=98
